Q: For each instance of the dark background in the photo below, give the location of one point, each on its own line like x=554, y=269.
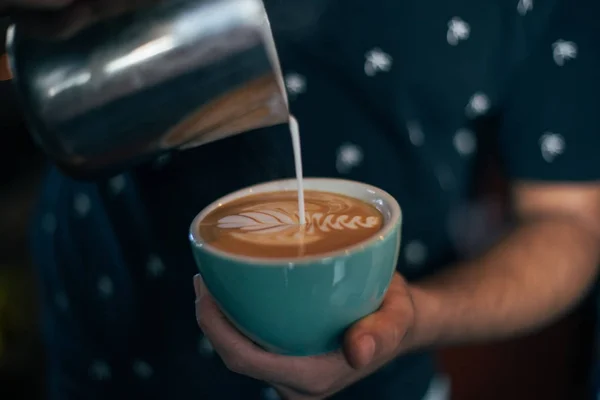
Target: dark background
x=553, y=364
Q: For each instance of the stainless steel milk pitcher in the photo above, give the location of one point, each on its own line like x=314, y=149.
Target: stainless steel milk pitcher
x=162, y=75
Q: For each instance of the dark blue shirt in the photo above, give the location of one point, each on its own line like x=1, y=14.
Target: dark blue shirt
x=401, y=94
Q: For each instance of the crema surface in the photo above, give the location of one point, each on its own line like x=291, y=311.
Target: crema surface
x=267, y=224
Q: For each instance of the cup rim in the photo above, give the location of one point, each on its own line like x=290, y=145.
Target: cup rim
x=386, y=230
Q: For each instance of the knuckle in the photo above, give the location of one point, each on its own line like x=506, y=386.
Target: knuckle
x=203, y=311
x=199, y=318
x=234, y=364
x=395, y=335
x=391, y=336
x=320, y=387
x=399, y=334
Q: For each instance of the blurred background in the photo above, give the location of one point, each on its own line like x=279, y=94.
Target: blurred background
x=21, y=356
x=553, y=364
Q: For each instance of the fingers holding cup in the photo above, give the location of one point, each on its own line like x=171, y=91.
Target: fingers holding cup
x=379, y=336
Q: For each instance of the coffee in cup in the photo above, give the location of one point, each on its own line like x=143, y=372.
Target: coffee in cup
x=295, y=288
x=267, y=224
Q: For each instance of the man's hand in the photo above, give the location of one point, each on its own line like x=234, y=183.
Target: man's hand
x=368, y=345
x=536, y=274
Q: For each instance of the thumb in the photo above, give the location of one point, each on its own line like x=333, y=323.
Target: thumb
x=376, y=336
x=380, y=335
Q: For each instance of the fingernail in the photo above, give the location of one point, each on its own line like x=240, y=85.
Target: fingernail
x=198, y=285
x=367, y=344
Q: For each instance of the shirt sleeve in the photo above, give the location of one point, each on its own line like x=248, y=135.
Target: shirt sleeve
x=550, y=127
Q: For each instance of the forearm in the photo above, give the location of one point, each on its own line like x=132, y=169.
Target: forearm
x=536, y=274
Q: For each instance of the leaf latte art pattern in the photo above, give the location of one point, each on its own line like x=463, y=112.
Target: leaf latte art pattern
x=325, y=223
x=280, y=227
x=269, y=224
x=265, y=221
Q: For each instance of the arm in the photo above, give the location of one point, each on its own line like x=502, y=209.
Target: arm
x=549, y=139
x=535, y=275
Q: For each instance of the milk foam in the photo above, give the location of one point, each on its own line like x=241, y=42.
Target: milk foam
x=276, y=223
x=295, y=132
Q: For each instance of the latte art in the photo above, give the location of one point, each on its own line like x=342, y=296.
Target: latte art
x=325, y=223
x=269, y=223
x=278, y=228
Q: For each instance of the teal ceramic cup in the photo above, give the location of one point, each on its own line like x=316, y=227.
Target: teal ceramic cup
x=303, y=306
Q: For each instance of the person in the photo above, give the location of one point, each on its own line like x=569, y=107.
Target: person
x=393, y=93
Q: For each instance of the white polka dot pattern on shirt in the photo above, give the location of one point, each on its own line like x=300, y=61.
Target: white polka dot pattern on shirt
x=295, y=83
x=142, y=369
x=82, y=204
x=349, y=156
x=117, y=184
x=161, y=161
x=458, y=30
x=205, y=347
x=479, y=104
x=49, y=223
x=551, y=145
x=563, y=51
x=465, y=142
x=415, y=133
x=100, y=370
x=155, y=267
x=376, y=60
x=105, y=287
x=524, y=6
x=439, y=389
x=270, y=394
x=415, y=253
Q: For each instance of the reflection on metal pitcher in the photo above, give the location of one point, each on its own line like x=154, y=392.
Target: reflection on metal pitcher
x=145, y=79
